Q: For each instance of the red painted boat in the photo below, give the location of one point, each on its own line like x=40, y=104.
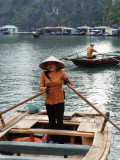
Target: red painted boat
x=98, y=60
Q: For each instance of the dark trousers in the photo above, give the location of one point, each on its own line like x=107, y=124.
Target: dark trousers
x=55, y=115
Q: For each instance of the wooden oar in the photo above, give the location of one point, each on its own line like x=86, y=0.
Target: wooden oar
x=73, y=54
x=21, y=103
x=92, y=106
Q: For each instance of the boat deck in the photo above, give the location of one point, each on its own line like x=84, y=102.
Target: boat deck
x=87, y=126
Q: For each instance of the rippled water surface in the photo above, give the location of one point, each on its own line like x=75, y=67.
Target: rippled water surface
x=20, y=57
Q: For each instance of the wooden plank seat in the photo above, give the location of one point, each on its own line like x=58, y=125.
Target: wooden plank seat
x=65, y=122
x=43, y=148
x=73, y=121
x=90, y=126
x=70, y=133
x=30, y=158
x=30, y=120
x=52, y=132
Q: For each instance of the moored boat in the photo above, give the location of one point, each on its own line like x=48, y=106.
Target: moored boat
x=98, y=60
x=36, y=34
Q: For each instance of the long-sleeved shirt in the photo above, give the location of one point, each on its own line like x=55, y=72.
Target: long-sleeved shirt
x=56, y=93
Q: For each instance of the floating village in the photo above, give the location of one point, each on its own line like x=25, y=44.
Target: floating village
x=62, y=30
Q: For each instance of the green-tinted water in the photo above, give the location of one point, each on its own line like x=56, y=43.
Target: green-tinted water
x=19, y=75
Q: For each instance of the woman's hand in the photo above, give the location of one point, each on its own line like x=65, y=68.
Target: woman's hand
x=45, y=89
x=42, y=89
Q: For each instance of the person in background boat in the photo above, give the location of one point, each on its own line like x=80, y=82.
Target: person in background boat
x=51, y=81
x=90, y=51
x=36, y=32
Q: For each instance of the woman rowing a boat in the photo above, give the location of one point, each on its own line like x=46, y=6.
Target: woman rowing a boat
x=51, y=81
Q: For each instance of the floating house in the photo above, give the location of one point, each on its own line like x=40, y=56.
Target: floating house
x=64, y=30
x=59, y=30
x=103, y=30
x=9, y=29
x=69, y=30
x=46, y=30
x=111, y=32
x=84, y=30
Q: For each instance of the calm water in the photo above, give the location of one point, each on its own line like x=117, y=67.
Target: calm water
x=19, y=75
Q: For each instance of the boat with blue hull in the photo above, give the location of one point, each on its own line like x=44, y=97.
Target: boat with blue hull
x=97, y=61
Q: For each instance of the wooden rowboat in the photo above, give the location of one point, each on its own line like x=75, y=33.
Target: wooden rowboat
x=36, y=35
x=85, y=138
x=98, y=61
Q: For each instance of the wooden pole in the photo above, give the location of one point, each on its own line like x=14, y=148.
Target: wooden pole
x=73, y=54
x=92, y=106
x=21, y=103
x=3, y=128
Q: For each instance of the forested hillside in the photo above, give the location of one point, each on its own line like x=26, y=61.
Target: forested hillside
x=28, y=14
x=112, y=14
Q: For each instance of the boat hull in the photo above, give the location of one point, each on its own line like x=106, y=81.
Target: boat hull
x=36, y=35
x=95, y=62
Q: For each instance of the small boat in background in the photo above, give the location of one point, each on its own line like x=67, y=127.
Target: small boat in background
x=36, y=34
x=98, y=60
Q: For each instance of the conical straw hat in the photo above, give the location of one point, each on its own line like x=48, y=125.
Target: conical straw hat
x=43, y=65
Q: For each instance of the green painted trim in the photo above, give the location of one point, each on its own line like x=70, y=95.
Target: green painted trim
x=30, y=158
x=43, y=148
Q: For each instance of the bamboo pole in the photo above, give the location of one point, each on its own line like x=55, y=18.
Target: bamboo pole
x=92, y=106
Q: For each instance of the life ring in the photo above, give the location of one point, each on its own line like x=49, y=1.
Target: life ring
x=35, y=139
